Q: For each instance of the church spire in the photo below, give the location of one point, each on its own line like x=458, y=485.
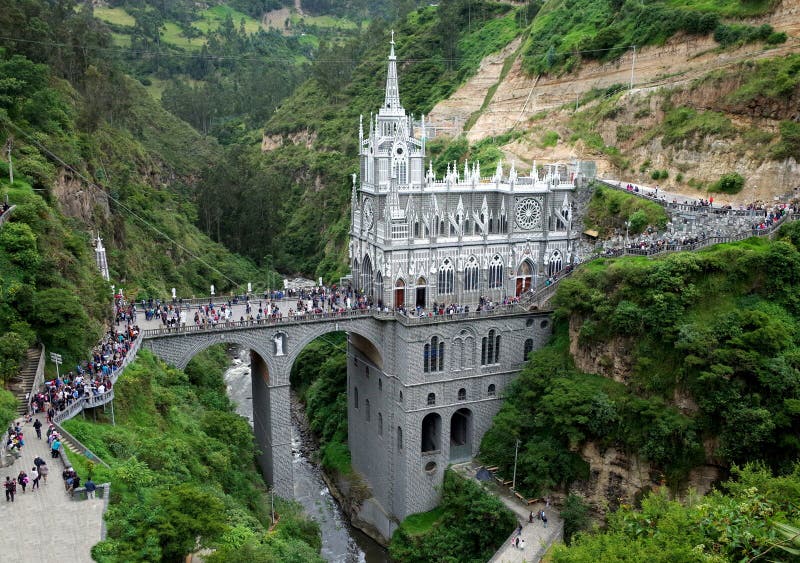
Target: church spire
x=392, y=99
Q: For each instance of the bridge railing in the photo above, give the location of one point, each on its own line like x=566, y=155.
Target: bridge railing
x=267, y=321
x=497, y=310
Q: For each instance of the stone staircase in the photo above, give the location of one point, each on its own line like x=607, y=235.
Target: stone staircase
x=27, y=375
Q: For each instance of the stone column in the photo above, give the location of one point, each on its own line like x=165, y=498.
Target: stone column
x=272, y=427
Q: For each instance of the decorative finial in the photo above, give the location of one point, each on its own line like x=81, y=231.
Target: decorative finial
x=392, y=42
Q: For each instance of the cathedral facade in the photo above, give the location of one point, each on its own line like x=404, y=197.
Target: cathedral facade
x=417, y=239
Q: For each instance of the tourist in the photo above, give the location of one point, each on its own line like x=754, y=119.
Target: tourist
x=44, y=470
x=34, y=478
x=38, y=427
x=11, y=488
x=522, y=544
x=90, y=488
x=22, y=479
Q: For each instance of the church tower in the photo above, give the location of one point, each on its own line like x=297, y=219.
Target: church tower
x=417, y=240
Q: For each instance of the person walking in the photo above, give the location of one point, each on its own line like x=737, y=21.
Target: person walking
x=11, y=489
x=44, y=471
x=38, y=427
x=34, y=478
x=90, y=488
x=544, y=519
x=22, y=479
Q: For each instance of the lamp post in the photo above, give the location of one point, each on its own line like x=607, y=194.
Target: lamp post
x=514, y=478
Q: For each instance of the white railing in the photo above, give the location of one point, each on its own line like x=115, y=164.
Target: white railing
x=4, y=217
x=91, y=401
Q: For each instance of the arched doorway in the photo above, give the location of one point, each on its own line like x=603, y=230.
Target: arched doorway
x=524, y=277
x=422, y=286
x=461, y=435
x=399, y=293
x=366, y=276
x=431, y=433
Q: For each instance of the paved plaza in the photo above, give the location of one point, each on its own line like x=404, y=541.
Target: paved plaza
x=45, y=525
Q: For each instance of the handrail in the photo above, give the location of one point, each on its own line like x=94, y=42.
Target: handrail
x=266, y=321
x=705, y=209
x=4, y=217
x=87, y=402
x=75, y=442
x=38, y=379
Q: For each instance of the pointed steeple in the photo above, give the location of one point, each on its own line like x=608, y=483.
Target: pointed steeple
x=392, y=99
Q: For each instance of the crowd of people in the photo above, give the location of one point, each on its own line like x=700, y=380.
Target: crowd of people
x=92, y=377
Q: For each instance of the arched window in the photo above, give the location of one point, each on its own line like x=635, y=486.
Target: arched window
x=399, y=438
x=490, y=348
x=446, y=277
x=491, y=391
x=366, y=409
x=433, y=355
x=462, y=394
x=431, y=432
x=380, y=424
x=471, y=275
x=366, y=276
x=431, y=399
x=355, y=396
x=528, y=349
x=556, y=264
x=496, y=273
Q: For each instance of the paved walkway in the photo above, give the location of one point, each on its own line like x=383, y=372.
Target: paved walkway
x=538, y=539
x=45, y=525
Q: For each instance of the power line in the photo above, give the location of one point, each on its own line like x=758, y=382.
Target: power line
x=293, y=60
x=132, y=213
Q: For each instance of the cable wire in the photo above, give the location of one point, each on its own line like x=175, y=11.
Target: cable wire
x=132, y=213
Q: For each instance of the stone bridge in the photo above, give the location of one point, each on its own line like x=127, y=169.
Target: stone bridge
x=421, y=392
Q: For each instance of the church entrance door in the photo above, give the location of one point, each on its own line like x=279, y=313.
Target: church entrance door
x=422, y=285
x=399, y=294
x=524, y=277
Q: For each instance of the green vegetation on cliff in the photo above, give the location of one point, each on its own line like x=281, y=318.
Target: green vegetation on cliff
x=739, y=522
x=468, y=525
x=319, y=377
x=183, y=470
x=717, y=326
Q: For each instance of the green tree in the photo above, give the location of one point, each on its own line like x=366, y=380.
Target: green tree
x=12, y=351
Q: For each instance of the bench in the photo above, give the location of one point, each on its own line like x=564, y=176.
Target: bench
x=81, y=494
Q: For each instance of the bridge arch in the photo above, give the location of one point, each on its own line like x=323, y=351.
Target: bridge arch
x=196, y=345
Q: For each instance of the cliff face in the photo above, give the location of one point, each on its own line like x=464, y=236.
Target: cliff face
x=617, y=476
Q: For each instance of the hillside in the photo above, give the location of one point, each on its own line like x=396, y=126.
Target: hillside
x=700, y=104
x=92, y=154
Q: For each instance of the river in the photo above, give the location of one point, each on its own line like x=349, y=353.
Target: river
x=341, y=542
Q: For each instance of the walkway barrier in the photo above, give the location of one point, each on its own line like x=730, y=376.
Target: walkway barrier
x=88, y=402
x=266, y=321
x=87, y=453
x=685, y=207
x=5, y=216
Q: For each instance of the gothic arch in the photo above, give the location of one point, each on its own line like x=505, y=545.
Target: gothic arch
x=366, y=276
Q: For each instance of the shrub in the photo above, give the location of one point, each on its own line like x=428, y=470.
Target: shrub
x=731, y=183
x=576, y=516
